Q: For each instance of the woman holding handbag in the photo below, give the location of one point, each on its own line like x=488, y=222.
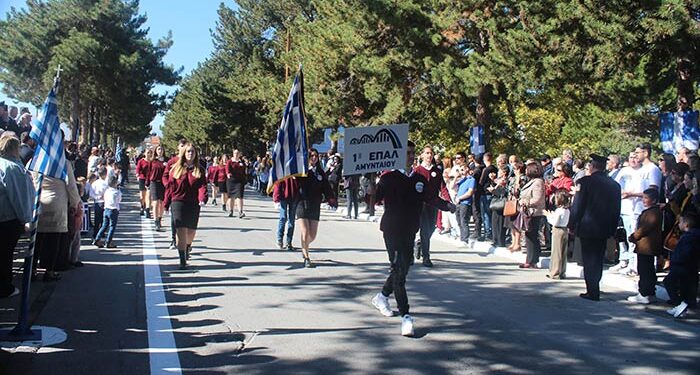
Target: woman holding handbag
x=511, y=210
x=532, y=203
x=498, y=202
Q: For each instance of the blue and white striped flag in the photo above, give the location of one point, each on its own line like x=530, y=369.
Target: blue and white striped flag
x=49, y=157
x=290, y=155
x=678, y=130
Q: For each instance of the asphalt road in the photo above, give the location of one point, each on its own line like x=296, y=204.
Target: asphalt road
x=247, y=307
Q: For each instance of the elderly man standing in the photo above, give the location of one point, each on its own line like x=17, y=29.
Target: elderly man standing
x=16, y=203
x=594, y=217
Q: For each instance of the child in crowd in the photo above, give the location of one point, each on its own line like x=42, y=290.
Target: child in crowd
x=682, y=280
x=558, y=219
x=113, y=198
x=648, y=242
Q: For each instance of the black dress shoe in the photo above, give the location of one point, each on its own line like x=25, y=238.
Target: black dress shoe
x=427, y=263
x=589, y=297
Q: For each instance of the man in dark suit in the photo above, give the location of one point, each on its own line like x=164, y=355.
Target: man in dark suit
x=404, y=192
x=594, y=217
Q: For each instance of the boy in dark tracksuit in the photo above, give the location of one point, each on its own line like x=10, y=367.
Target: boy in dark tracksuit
x=682, y=281
x=403, y=195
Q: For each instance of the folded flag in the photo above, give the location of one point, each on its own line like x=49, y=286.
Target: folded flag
x=290, y=154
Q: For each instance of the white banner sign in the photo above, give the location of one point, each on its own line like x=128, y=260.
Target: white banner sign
x=374, y=148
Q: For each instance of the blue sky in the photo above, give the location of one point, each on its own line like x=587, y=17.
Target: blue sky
x=189, y=20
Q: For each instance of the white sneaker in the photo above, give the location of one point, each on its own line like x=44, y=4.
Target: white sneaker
x=638, y=298
x=407, y=325
x=382, y=304
x=618, y=267
x=680, y=310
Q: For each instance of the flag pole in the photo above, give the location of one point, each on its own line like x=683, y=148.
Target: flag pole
x=22, y=331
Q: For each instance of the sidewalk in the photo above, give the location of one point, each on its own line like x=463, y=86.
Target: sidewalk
x=99, y=306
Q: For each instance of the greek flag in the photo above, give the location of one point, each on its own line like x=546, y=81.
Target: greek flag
x=49, y=157
x=290, y=155
x=679, y=129
x=118, y=152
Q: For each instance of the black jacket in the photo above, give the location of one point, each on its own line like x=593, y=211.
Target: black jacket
x=315, y=186
x=686, y=256
x=596, y=208
x=403, y=198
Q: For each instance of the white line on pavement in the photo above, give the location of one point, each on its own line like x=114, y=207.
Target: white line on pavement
x=162, y=350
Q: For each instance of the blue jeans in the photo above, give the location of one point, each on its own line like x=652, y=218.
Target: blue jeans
x=110, y=219
x=288, y=211
x=486, y=215
x=351, y=194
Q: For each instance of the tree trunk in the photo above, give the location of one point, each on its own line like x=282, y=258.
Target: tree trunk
x=483, y=111
x=98, y=125
x=686, y=93
x=91, y=120
x=75, y=110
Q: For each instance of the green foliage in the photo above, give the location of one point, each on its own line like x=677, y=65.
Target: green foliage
x=540, y=75
x=109, y=64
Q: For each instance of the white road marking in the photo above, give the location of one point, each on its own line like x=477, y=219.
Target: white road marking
x=162, y=350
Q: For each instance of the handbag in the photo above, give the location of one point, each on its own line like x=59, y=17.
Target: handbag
x=672, y=238
x=498, y=203
x=510, y=207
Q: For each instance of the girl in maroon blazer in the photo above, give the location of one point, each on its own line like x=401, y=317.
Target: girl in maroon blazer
x=187, y=185
x=212, y=173
x=236, y=174
x=155, y=185
x=142, y=174
x=221, y=180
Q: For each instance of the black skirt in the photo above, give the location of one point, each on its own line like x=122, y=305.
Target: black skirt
x=309, y=210
x=157, y=191
x=142, y=184
x=235, y=189
x=222, y=186
x=185, y=214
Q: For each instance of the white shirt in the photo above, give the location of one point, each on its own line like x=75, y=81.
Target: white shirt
x=630, y=181
x=559, y=218
x=93, y=161
x=97, y=190
x=112, y=198
x=650, y=175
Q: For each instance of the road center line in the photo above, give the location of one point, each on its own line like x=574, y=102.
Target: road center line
x=162, y=350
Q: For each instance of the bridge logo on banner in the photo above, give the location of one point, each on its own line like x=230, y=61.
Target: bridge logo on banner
x=374, y=148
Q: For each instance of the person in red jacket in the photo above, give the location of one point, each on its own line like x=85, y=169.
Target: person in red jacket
x=155, y=185
x=212, y=173
x=188, y=191
x=166, y=176
x=286, y=193
x=434, y=187
x=221, y=180
x=142, y=173
x=404, y=193
x=236, y=174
